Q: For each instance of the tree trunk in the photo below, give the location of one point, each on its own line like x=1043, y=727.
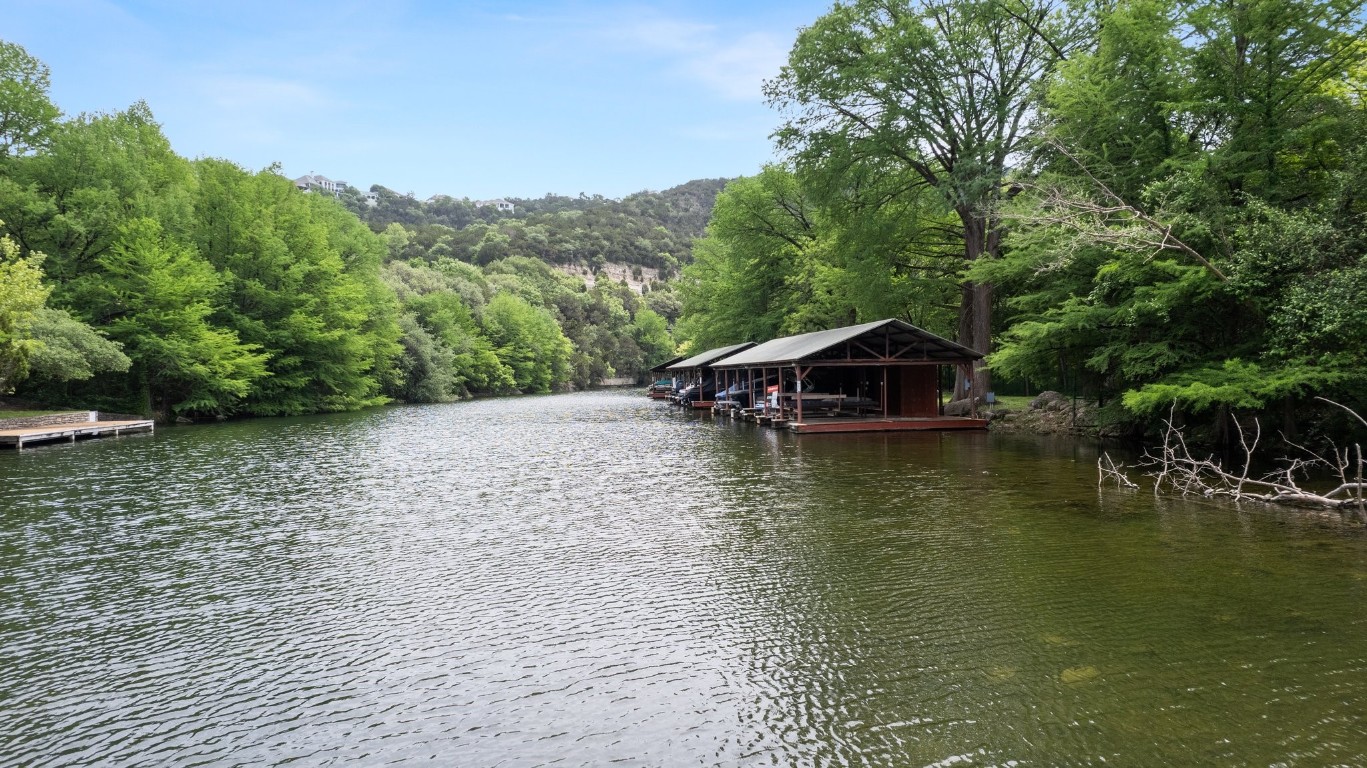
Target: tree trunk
x=965, y=337
x=981, y=240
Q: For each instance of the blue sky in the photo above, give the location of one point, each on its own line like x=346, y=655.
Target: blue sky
x=477, y=99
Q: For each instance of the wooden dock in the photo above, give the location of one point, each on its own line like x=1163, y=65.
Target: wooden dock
x=886, y=424
x=22, y=436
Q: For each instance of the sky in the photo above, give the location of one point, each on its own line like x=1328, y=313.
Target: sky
x=470, y=99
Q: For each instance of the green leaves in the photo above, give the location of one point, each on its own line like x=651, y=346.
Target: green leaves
x=22, y=295
x=302, y=284
x=528, y=341
x=26, y=114
x=1231, y=384
x=159, y=296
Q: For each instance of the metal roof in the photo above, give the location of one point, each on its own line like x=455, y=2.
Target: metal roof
x=666, y=364
x=904, y=342
x=710, y=356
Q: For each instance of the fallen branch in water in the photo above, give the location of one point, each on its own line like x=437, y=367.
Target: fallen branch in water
x=1107, y=470
x=1173, y=466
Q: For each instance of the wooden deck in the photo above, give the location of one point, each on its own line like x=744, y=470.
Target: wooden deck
x=18, y=438
x=888, y=424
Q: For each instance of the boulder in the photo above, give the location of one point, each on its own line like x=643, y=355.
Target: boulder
x=1048, y=400
x=998, y=414
x=962, y=407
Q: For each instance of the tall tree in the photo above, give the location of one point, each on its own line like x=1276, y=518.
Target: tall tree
x=527, y=340
x=747, y=281
x=303, y=284
x=26, y=114
x=941, y=87
x=156, y=296
x=22, y=295
x=1196, y=232
x=97, y=173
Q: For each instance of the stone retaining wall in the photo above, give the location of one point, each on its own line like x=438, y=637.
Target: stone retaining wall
x=68, y=417
x=51, y=419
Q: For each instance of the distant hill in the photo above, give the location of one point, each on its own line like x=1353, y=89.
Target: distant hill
x=648, y=229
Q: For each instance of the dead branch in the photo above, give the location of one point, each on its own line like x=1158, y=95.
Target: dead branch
x=1107, y=470
x=1111, y=221
x=1173, y=467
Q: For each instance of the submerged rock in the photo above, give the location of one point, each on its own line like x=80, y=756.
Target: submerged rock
x=1073, y=675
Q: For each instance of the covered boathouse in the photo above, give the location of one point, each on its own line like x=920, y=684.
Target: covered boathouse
x=875, y=377
x=700, y=383
x=662, y=381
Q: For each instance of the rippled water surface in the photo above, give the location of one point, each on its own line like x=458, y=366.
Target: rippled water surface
x=596, y=579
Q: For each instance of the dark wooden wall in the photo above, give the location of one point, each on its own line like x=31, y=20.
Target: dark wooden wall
x=912, y=391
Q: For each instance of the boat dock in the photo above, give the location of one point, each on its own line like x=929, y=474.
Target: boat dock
x=881, y=376
x=19, y=437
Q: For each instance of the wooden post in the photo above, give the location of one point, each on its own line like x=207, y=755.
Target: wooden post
x=781, y=407
x=766, y=392
x=885, y=392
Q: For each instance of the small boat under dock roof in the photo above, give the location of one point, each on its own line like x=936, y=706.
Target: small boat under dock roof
x=698, y=371
x=880, y=376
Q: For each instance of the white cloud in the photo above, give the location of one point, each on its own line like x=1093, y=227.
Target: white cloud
x=733, y=68
x=737, y=71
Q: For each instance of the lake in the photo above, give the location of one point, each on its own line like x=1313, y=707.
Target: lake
x=593, y=579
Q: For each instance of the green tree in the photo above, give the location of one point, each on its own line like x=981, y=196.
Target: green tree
x=157, y=297
x=70, y=350
x=97, y=173
x=26, y=113
x=22, y=295
x=652, y=338
x=303, y=285
x=746, y=280
x=1198, y=195
x=527, y=339
x=446, y=355
x=942, y=89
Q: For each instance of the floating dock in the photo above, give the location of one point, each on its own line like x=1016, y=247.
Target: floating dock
x=881, y=376
x=886, y=424
x=22, y=436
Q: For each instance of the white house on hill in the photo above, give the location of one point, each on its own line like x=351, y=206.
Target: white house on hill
x=310, y=182
x=500, y=205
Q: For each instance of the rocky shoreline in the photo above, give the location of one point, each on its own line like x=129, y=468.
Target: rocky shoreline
x=1049, y=413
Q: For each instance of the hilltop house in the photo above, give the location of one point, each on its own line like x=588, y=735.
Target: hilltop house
x=500, y=205
x=310, y=182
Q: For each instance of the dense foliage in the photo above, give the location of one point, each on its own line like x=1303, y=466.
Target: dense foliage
x=647, y=229
x=1147, y=202
x=133, y=279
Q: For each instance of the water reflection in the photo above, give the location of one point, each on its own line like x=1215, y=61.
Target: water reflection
x=593, y=578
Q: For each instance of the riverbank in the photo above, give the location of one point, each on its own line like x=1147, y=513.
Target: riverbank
x=1048, y=413
x=25, y=423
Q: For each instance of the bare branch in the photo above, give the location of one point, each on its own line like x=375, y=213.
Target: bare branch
x=1107, y=470
x=1172, y=465
x=1113, y=221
